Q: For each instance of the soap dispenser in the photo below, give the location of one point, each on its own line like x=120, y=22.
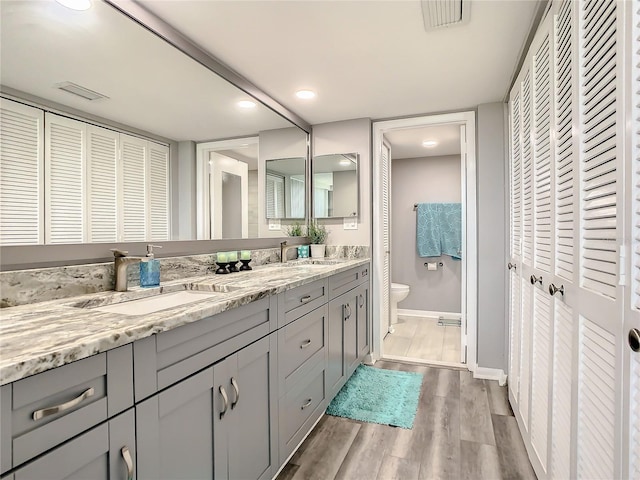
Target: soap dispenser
x=150, y=269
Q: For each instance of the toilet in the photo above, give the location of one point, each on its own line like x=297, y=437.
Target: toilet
x=399, y=292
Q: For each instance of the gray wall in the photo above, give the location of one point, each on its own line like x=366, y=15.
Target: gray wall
x=253, y=203
x=347, y=137
x=416, y=180
x=492, y=228
x=185, y=213
x=345, y=192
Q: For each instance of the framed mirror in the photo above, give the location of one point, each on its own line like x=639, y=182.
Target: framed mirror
x=156, y=96
x=285, y=188
x=335, y=185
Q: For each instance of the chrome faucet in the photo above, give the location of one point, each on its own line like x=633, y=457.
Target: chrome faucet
x=284, y=248
x=121, y=262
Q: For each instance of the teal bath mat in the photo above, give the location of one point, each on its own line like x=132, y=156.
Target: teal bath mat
x=375, y=395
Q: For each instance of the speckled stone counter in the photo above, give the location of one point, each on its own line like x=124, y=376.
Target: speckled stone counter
x=41, y=336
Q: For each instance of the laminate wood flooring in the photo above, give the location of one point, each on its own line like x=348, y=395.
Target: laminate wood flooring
x=464, y=429
x=422, y=338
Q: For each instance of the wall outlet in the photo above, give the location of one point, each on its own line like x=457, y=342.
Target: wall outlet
x=274, y=224
x=350, y=223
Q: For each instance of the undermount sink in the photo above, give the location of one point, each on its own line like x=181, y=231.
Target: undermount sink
x=156, y=303
x=311, y=262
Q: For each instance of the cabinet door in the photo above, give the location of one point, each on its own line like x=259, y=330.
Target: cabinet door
x=350, y=319
x=364, y=333
x=244, y=424
x=335, y=369
x=175, y=430
x=99, y=453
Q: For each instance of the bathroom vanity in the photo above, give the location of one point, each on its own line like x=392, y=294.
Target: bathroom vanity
x=223, y=385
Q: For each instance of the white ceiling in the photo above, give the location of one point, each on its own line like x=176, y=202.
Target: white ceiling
x=364, y=58
x=407, y=143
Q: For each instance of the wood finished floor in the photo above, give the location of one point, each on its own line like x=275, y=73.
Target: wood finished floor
x=422, y=338
x=464, y=429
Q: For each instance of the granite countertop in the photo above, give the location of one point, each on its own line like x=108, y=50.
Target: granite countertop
x=40, y=336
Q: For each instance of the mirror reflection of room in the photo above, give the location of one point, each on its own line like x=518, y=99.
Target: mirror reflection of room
x=335, y=185
x=285, y=188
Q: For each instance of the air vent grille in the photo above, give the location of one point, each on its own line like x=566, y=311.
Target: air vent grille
x=444, y=13
x=80, y=91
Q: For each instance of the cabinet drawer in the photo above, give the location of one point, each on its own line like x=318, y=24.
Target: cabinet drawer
x=165, y=359
x=303, y=299
x=344, y=281
x=300, y=340
x=44, y=410
x=300, y=408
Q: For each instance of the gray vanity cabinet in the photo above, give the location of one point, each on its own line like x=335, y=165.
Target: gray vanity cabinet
x=104, y=452
x=217, y=423
x=342, y=345
x=245, y=415
x=364, y=329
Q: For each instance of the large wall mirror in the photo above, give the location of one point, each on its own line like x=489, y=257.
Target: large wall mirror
x=335, y=185
x=151, y=155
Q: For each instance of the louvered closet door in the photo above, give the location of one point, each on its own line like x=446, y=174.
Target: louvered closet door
x=565, y=218
x=65, y=156
x=385, y=166
x=102, y=159
x=134, y=199
x=515, y=304
x=21, y=174
x=599, y=296
x=631, y=358
x=159, y=192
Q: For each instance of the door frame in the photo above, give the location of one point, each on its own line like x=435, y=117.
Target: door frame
x=469, y=230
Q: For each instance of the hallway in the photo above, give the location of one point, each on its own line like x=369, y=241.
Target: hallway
x=464, y=429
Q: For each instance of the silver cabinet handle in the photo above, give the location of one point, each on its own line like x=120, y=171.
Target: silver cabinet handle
x=553, y=289
x=225, y=399
x=347, y=311
x=306, y=343
x=535, y=279
x=45, y=412
x=306, y=404
x=305, y=299
x=512, y=266
x=234, y=384
x=126, y=456
x=634, y=339
x=361, y=301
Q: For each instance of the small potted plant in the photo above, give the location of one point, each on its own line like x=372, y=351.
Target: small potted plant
x=318, y=235
x=296, y=229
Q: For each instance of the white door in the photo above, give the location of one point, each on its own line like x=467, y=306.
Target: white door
x=221, y=164
x=385, y=166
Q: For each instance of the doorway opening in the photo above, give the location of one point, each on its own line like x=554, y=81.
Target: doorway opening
x=436, y=317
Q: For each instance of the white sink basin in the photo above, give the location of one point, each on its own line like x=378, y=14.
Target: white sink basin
x=156, y=303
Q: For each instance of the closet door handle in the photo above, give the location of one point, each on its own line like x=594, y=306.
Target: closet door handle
x=126, y=456
x=512, y=266
x=225, y=399
x=634, y=339
x=535, y=279
x=553, y=289
x=45, y=412
x=234, y=384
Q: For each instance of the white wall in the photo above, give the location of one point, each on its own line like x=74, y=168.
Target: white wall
x=348, y=136
x=492, y=228
x=416, y=180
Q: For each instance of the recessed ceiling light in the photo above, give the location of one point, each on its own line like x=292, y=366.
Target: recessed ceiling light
x=429, y=143
x=305, y=94
x=344, y=162
x=246, y=104
x=76, y=4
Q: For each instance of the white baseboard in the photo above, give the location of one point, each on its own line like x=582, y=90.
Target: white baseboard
x=428, y=313
x=490, y=374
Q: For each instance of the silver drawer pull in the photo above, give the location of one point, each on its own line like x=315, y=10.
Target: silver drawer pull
x=305, y=299
x=225, y=399
x=45, y=412
x=234, y=384
x=306, y=343
x=126, y=455
x=306, y=404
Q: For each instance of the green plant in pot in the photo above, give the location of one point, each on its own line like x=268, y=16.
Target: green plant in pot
x=296, y=229
x=317, y=235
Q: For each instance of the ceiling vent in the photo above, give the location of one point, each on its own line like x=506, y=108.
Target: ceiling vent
x=444, y=13
x=83, y=92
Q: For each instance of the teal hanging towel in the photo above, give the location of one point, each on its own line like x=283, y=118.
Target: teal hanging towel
x=439, y=229
x=428, y=230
